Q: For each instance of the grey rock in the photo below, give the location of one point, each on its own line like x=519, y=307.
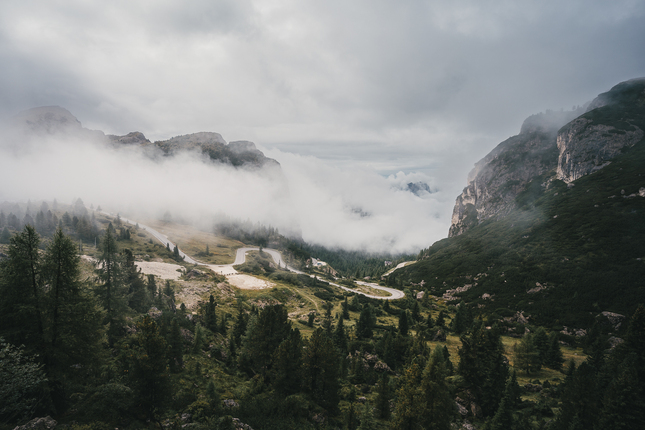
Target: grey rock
x=43, y=423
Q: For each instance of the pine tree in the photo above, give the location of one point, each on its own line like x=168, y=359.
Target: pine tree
x=340, y=337
x=73, y=329
x=148, y=369
x=21, y=307
x=367, y=418
x=110, y=292
x=554, y=357
x=287, y=365
x=526, y=356
x=365, y=324
x=351, y=421
x=503, y=418
x=264, y=334
x=483, y=366
x=346, y=309
x=198, y=341
x=409, y=406
x=320, y=370
x=439, y=405
x=175, y=347
x=541, y=342
x=403, y=323
x=210, y=316
x=441, y=319
x=383, y=397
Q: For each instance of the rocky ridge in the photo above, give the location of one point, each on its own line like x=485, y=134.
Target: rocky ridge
x=57, y=122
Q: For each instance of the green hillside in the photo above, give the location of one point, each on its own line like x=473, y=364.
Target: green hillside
x=585, y=244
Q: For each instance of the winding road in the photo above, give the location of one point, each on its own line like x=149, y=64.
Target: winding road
x=240, y=258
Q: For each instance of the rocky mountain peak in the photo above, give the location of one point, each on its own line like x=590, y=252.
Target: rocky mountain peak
x=569, y=144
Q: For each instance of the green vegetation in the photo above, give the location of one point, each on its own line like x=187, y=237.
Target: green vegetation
x=580, y=249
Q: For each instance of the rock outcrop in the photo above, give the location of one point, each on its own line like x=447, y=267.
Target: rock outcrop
x=500, y=176
x=561, y=145
x=588, y=143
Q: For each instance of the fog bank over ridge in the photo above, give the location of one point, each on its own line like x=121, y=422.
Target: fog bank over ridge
x=45, y=153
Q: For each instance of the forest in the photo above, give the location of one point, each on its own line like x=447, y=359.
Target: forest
x=111, y=348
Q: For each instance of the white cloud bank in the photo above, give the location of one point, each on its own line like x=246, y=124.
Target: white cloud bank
x=348, y=208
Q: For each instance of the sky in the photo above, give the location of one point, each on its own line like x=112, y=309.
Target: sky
x=370, y=93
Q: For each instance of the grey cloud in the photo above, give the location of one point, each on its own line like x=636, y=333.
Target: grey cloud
x=428, y=86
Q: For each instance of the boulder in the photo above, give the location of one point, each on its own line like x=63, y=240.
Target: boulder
x=43, y=423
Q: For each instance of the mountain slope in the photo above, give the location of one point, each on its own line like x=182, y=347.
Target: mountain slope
x=567, y=248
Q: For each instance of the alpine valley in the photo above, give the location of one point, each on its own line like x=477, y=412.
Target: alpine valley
x=529, y=315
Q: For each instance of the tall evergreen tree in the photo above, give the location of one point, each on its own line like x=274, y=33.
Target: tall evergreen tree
x=365, y=323
x=73, y=328
x=175, y=347
x=403, y=323
x=483, y=366
x=320, y=370
x=148, y=368
x=111, y=291
x=340, y=337
x=383, y=398
x=21, y=307
x=554, y=358
x=287, y=365
x=264, y=334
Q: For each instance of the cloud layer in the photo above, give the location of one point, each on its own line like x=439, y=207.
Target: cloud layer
x=352, y=209
x=368, y=86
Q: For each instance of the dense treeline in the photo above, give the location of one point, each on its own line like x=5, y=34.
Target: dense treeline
x=114, y=350
x=358, y=264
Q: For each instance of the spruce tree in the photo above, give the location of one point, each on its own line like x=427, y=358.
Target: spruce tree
x=554, y=357
x=383, y=397
x=73, y=330
x=320, y=370
x=287, y=365
x=148, y=368
x=403, y=323
x=483, y=366
x=21, y=290
x=439, y=405
x=110, y=291
x=175, y=347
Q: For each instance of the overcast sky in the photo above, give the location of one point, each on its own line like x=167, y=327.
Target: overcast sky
x=419, y=87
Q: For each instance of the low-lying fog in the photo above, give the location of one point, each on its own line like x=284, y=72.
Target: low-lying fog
x=328, y=205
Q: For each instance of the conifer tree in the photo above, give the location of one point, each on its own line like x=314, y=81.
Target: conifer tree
x=365, y=323
x=483, y=366
x=526, y=356
x=554, y=358
x=340, y=337
x=210, y=316
x=198, y=341
x=287, y=365
x=383, y=397
x=21, y=307
x=148, y=368
x=320, y=370
x=438, y=410
x=346, y=309
x=367, y=418
x=110, y=292
x=73, y=329
x=503, y=418
x=403, y=323
x=175, y=347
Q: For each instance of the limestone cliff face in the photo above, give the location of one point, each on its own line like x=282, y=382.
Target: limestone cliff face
x=613, y=123
x=498, y=178
x=569, y=144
